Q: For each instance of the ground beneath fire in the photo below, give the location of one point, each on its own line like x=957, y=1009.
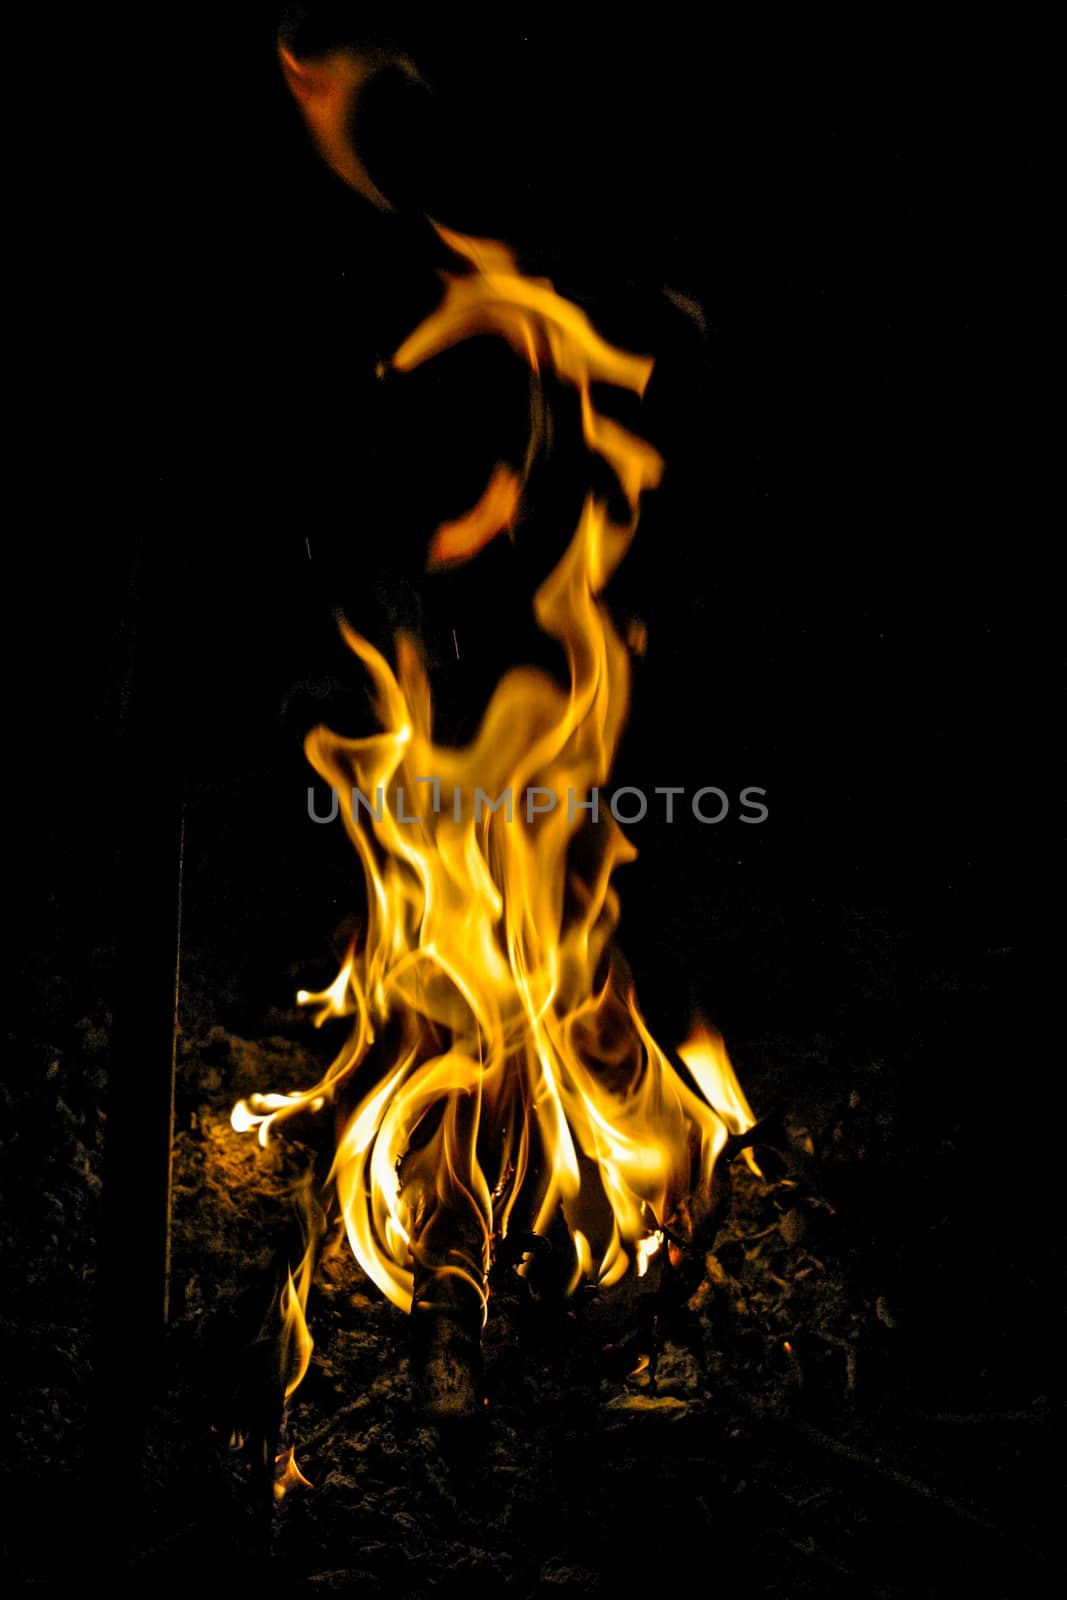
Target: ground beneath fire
x=818, y=1421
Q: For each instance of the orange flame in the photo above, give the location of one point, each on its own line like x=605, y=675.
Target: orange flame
x=519, y=1063
x=287, y=1475
x=328, y=90
x=496, y=510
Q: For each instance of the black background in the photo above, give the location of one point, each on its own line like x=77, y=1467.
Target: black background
x=841, y=603
x=838, y=579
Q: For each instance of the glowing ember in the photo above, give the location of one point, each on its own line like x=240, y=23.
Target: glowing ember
x=509, y=1075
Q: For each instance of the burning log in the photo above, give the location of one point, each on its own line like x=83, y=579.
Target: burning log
x=450, y=1265
x=447, y=1310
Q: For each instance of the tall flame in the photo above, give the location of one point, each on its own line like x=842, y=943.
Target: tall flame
x=507, y=1062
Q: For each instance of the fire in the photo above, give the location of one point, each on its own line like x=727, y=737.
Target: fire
x=287, y=1475
x=507, y=1073
x=328, y=92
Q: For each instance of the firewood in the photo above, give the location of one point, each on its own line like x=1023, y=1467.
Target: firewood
x=447, y=1311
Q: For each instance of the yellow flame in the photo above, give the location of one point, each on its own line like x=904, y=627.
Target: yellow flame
x=704, y=1053
x=336, y=1001
x=296, y=1341
x=296, y=1338
x=583, y=1260
x=646, y=1249
x=524, y=1074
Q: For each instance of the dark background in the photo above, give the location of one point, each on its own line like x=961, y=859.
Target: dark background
x=841, y=602
x=835, y=574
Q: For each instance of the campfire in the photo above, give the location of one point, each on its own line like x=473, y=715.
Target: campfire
x=500, y=1091
x=534, y=1322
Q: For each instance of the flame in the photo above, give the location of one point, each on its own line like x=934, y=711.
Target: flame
x=297, y=1343
x=646, y=1249
x=508, y=1064
x=287, y=1475
x=501, y=1066
x=328, y=90
x=704, y=1053
x=496, y=511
